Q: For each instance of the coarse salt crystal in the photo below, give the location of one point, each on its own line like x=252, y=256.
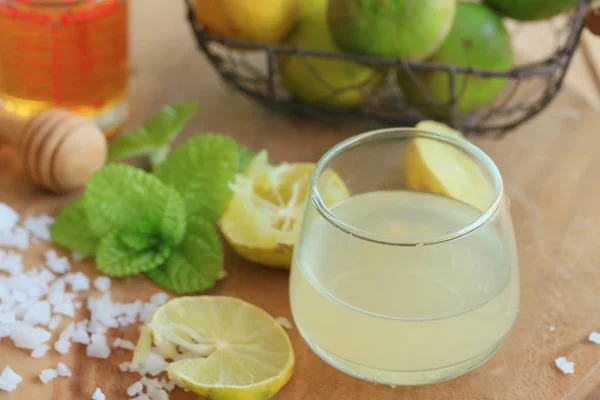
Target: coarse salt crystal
x=37, y=289
x=566, y=366
x=132, y=309
x=62, y=346
x=123, y=344
x=59, y=265
x=56, y=292
x=283, y=321
x=83, y=324
x=46, y=276
x=125, y=367
x=9, y=380
x=80, y=335
x=147, y=311
x=125, y=320
x=180, y=384
x=98, y=348
x=594, y=337
x=8, y=217
x=78, y=281
x=21, y=308
x=67, y=333
x=63, y=370
x=17, y=237
x=54, y=322
x=77, y=305
x=551, y=328
x=47, y=375
x=102, y=283
x=141, y=397
x=39, y=226
x=6, y=297
x=19, y=296
x=65, y=307
x=154, y=364
x=40, y=351
x=134, y=389
x=38, y=313
x=97, y=327
x=158, y=394
x=10, y=262
x=167, y=385
x=7, y=316
x=159, y=298
x=150, y=383
x=28, y=337
x=98, y=395
x=5, y=329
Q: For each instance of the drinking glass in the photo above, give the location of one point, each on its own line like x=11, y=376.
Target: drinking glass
x=413, y=279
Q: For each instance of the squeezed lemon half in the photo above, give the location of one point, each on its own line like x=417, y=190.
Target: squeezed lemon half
x=234, y=350
x=436, y=167
x=263, y=219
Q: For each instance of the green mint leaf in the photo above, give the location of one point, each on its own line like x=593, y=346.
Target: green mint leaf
x=195, y=264
x=200, y=170
x=71, y=229
x=121, y=198
x=246, y=156
x=116, y=258
x=155, y=136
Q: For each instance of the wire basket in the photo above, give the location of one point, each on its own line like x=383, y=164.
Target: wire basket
x=253, y=69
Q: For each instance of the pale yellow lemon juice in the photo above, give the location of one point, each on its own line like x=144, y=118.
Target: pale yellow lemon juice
x=402, y=282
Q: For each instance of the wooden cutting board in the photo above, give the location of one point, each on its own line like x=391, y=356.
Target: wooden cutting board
x=551, y=176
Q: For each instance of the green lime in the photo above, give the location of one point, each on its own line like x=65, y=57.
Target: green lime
x=478, y=39
x=320, y=80
x=410, y=29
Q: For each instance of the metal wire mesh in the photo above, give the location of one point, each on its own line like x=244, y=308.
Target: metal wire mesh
x=252, y=68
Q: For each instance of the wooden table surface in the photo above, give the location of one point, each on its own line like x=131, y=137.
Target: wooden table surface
x=551, y=175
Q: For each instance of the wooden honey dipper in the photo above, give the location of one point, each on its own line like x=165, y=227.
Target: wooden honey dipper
x=59, y=150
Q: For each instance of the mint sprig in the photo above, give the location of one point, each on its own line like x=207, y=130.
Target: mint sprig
x=155, y=136
x=134, y=221
x=200, y=170
x=160, y=223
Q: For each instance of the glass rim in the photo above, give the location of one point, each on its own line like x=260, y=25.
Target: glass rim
x=406, y=133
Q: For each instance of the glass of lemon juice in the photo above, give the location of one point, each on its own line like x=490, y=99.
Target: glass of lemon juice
x=412, y=279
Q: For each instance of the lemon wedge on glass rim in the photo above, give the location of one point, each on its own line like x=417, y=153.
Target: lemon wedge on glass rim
x=233, y=349
x=439, y=168
x=263, y=219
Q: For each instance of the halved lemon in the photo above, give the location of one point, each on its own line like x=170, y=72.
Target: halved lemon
x=233, y=349
x=436, y=167
x=263, y=219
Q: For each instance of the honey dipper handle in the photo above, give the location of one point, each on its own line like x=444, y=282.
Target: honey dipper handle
x=11, y=126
